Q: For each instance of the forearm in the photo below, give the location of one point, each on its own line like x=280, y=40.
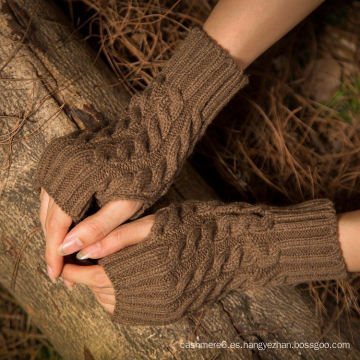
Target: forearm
x=349, y=237
x=247, y=28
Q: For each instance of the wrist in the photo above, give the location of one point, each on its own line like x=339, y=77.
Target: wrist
x=349, y=230
x=248, y=28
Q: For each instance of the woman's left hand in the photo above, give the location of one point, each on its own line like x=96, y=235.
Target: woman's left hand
x=95, y=276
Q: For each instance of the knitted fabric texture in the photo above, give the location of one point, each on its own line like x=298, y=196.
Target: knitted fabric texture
x=138, y=156
x=197, y=252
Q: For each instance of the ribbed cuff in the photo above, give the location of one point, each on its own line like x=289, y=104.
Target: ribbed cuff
x=308, y=243
x=207, y=75
x=68, y=174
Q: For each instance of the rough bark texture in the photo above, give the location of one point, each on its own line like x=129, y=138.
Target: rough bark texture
x=49, y=85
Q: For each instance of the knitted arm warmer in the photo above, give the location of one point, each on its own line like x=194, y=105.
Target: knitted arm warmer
x=138, y=156
x=197, y=252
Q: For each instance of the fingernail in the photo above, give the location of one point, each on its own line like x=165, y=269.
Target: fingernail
x=70, y=245
x=51, y=273
x=81, y=256
x=90, y=251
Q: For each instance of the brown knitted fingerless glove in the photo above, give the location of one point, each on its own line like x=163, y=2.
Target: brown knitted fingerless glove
x=197, y=252
x=138, y=156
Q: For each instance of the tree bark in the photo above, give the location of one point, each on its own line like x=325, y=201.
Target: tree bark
x=49, y=86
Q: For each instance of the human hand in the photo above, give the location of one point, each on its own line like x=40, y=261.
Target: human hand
x=138, y=155
x=197, y=252
x=94, y=276
x=190, y=254
x=55, y=224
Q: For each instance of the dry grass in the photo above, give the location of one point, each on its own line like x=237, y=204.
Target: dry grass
x=137, y=37
x=274, y=143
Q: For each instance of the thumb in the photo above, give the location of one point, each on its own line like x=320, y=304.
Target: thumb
x=97, y=226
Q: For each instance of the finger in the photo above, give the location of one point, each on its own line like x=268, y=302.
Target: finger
x=97, y=226
x=107, y=307
x=50, y=203
x=57, y=224
x=109, y=290
x=122, y=236
x=93, y=275
x=44, y=202
x=105, y=298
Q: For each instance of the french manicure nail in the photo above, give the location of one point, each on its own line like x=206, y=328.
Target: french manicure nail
x=51, y=273
x=82, y=256
x=90, y=251
x=70, y=245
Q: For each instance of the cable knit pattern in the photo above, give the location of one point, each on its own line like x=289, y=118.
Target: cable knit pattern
x=197, y=252
x=138, y=156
